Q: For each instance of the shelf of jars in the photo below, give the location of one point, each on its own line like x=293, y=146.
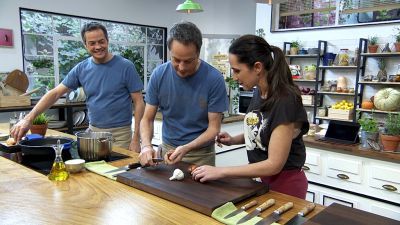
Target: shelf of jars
x=335, y=93
x=329, y=118
x=377, y=111
x=338, y=67
x=305, y=80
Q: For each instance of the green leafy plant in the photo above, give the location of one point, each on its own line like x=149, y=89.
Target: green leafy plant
x=397, y=34
x=42, y=63
x=392, y=125
x=373, y=40
x=295, y=44
x=368, y=124
x=42, y=118
x=135, y=57
x=310, y=68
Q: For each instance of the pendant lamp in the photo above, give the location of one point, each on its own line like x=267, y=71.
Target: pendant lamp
x=189, y=7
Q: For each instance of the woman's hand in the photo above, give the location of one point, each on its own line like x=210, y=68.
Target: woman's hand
x=205, y=173
x=176, y=155
x=223, y=138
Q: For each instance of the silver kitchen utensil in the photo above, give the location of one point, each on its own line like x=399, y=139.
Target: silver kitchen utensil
x=276, y=215
x=241, y=209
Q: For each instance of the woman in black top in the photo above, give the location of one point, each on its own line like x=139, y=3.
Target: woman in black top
x=274, y=123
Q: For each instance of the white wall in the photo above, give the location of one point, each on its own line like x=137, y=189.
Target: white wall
x=219, y=17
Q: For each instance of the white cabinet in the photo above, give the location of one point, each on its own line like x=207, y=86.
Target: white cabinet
x=363, y=183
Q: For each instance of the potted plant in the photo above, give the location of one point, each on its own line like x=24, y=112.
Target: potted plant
x=294, y=47
x=373, y=44
x=391, y=137
x=39, y=124
x=369, y=130
x=397, y=37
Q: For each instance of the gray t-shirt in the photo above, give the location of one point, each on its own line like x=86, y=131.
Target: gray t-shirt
x=107, y=87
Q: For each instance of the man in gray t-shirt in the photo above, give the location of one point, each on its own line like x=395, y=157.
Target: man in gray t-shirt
x=110, y=83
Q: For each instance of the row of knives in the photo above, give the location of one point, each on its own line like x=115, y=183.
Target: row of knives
x=274, y=216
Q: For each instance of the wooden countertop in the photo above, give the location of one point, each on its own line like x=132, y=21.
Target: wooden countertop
x=352, y=150
x=28, y=197
x=230, y=119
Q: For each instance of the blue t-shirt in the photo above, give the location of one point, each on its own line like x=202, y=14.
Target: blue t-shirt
x=185, y=102
x=107, y=87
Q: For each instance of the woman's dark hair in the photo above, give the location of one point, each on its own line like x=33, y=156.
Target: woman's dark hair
x=250, y=49
x=90, y=27
x=185, y=33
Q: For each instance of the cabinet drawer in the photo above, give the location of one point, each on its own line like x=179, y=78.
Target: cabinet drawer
x=344, y=169
x=385, y=178
x=313, y=163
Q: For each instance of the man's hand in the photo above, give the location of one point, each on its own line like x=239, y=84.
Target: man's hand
x=176, y=155
x=134, y=146
x=146, y=156
x=20, y=129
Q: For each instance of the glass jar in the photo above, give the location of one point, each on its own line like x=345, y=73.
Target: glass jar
x=343, y=57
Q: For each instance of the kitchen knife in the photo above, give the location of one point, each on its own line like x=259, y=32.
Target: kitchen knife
x=241, y=209
x=133, y=166
x=300, y=217
x=257, y=211
x=276, y=215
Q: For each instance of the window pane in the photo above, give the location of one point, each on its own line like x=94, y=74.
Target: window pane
x=151, y=65
x=70, y=53
x=35, y=22
x=66, y=26
x=155, y=52
x=125, y=33
x=39, y=81
x=38, y=45
x=155, y=36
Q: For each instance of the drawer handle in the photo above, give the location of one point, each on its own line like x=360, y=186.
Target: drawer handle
x=306, y=168
x=343, y=176
x=389, y=187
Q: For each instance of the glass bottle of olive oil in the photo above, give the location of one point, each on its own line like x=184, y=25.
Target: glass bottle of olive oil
x=58, y=171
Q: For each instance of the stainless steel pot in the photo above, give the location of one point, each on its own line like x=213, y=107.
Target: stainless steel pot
x=93, y=146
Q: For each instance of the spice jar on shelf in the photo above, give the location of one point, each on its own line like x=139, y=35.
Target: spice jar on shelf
x=343, y=58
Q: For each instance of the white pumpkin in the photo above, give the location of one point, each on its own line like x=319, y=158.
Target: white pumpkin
x=387, y=99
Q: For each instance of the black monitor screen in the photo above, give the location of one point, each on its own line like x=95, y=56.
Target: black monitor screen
x=342, y=130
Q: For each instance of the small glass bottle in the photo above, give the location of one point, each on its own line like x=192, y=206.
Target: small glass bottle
x=58, y=171
x=343, y=57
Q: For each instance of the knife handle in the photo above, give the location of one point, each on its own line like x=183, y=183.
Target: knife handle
x=266, y=205
x=134, y=165
x=250, y=204
x=284, y=208
x=309, y=207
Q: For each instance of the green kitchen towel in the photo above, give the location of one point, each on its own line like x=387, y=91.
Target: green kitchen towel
x=101, y=167
x=222, y=211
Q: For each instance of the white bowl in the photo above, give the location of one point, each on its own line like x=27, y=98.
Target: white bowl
x=75, y=165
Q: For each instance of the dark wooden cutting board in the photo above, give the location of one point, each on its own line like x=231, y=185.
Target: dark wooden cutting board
x=339, y=214
x=201, y=197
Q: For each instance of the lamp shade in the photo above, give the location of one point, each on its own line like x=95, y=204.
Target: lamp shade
x=189, y=7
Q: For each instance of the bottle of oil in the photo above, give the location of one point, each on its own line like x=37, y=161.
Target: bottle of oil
x=58, y=171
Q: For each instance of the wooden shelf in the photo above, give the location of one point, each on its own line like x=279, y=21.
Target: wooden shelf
x=337, y=67
x=377, y=111
x=328, y=118
x=386, y=54
x=379, y=83
x=335, y=93
x=304, y=80
x=303, y=56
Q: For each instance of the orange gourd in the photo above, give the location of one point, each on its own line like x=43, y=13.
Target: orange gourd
x=367, y=105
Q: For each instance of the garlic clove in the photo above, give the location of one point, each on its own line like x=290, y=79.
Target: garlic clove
x=177, y=175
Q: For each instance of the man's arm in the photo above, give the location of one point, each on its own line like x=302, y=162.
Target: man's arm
x=138, y=102
x=22, y=127
x=146, y=134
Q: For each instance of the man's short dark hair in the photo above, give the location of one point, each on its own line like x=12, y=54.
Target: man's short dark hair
x=93, y=26
x=185, y=33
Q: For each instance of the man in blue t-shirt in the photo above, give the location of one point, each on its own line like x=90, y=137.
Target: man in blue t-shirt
x=191, y=96
x=110, y=83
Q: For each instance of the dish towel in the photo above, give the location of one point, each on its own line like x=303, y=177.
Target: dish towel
x=101, y=167
x=220, y=212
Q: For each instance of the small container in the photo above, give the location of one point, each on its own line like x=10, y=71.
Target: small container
x=75, y=165
x=343, y=57
x=322, y=111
